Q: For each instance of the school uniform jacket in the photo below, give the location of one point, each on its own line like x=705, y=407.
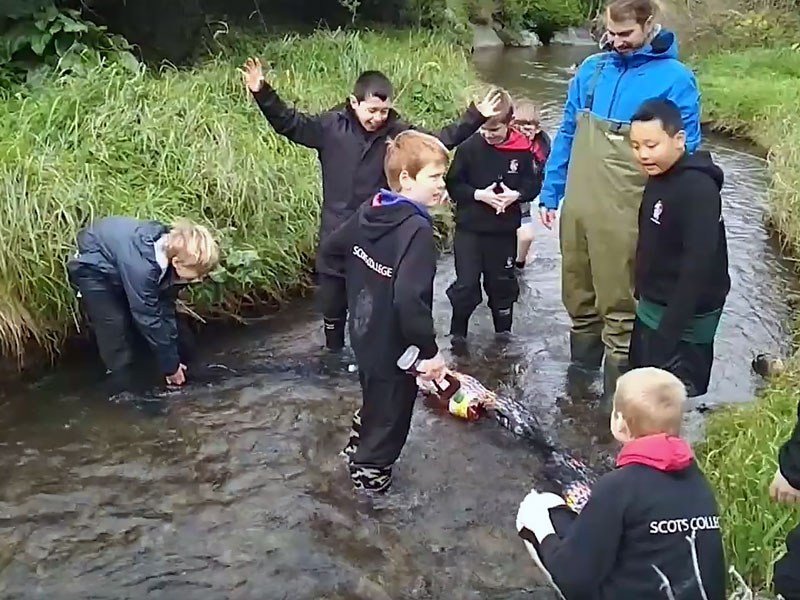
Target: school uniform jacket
x=640, y=532
x=387, y=254
x=351, y=158
x=477, y=165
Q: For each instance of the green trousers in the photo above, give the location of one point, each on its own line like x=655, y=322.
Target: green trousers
x=598, y=231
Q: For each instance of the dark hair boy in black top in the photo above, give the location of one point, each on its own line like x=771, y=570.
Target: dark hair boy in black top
x=350, y=141
x=492, y=173
x=387, y=255
x=681, y=256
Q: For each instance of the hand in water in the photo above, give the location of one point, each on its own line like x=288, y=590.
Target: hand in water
x=548, y=216
x=432, y=369
x=490, y=106
x=507, y=197
x=178, y=377
x=253, y=74
x=782, y=491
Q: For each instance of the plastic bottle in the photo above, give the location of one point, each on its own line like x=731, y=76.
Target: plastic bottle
x=447, y=391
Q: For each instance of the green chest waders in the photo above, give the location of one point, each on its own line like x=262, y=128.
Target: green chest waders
x=598, y=231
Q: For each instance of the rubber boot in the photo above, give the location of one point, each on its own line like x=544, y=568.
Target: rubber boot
x=586, y=350
x=502, y=320
x=459, y=324
x=334, y=334
x=613, y=369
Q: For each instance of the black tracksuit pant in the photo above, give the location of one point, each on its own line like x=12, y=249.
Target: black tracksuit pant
x=119, y=343
x=380, y=428
x=491, y=256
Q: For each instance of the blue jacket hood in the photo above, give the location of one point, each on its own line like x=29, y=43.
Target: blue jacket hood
x=622, y=82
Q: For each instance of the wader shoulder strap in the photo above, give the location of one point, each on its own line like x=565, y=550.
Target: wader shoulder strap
x=593, y=82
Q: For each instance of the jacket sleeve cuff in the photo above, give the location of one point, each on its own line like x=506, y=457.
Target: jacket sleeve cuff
x=428, y=349
x=474, y=115
x=169, y=361
x=265, y=94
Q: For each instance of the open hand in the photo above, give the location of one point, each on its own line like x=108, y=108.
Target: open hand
x=547, y=216
x=490, y=106
x=782, y=491
x=253, y=74
x=178, y=377
x=432, y=369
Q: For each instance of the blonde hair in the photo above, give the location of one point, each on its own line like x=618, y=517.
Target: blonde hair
x=526, y=110
x=193, y=245
x=412, y=151
x=651, y=401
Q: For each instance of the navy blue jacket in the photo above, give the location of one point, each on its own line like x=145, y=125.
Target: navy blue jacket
x=121, y=250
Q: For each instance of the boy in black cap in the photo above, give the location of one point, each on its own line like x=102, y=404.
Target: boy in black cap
x=681, y=271
x=387, y=254
x=351, y=144
x=492, y=173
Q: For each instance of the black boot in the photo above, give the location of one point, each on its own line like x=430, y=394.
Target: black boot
x=586, y=350
x=334, y=334
x=613, y=368
x=458, y=326
x=502, y=320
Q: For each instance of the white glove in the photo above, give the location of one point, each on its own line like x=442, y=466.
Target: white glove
x=534, y=513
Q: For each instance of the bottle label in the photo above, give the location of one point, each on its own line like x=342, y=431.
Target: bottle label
x=459, y=405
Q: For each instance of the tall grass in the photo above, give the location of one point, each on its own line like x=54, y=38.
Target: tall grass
x=755, y=93
x=188, y=143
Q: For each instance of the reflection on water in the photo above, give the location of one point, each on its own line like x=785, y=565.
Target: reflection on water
x=233, y=488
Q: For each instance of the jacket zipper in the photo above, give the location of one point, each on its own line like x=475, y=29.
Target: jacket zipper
x=614, y=95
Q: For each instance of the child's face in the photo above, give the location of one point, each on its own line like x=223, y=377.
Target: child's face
x=619, y=427
x=372, y=112
x=494, y=132
x=654, y=148
x=527, y=127
x=186, y=272
x=428, y=187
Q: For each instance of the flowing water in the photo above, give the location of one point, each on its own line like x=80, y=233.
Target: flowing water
x=233, y=488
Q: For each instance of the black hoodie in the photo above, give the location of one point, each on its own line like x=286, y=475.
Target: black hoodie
x=639, y=520
x=351, y=157
x=387, y=254
x=477, y=165
x=682, y=254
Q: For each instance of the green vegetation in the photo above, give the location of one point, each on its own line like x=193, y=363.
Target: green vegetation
x=168, y=144
x=739, y=456
x=754, y=92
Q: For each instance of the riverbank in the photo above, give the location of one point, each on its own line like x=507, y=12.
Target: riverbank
x=755, y=93
x=167, y=143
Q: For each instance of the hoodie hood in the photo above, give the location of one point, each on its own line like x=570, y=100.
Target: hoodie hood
x=386, y=212
x=663, y=452
x=700, y=161
x=663, y=45
x=516, y=142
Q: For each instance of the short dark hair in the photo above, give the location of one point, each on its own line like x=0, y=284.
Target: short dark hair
x=639, y=10
x=373, y=83
x=666, y=111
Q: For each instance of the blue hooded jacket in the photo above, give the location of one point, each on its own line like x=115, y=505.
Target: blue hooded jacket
x=625, y=82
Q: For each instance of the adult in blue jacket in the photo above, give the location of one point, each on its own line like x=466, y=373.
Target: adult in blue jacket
x=592, y=169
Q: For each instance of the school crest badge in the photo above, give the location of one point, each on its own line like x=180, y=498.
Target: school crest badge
x=658, y=209
x=513, y=166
